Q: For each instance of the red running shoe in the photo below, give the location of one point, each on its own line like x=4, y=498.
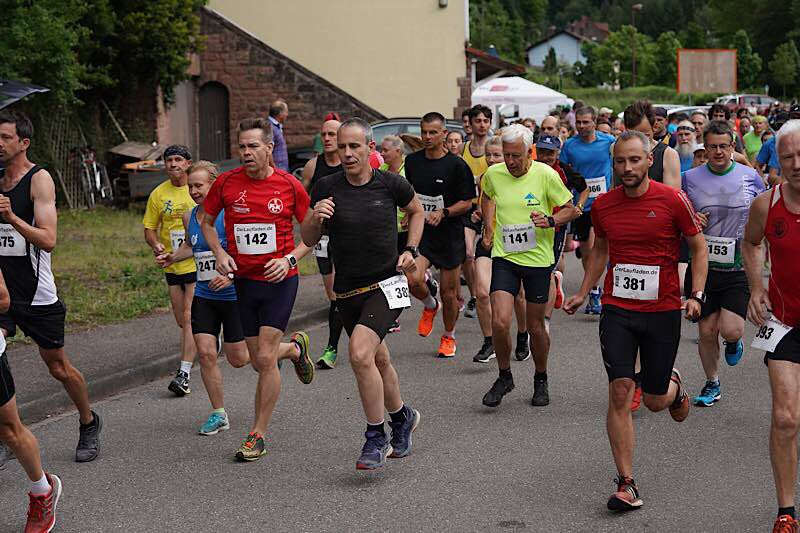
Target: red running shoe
x=42, y=509
x=627, y=496
x=785, y=524
x=636, y=402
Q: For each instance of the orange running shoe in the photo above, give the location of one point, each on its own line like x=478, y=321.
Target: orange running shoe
x=425, y=325
x=785, y=524
x=679, y=409
x=447, y=347
x=636, y=402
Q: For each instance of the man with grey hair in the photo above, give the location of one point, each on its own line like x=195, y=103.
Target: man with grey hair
x=686, y=143
x=518, y=200
x=278, y=113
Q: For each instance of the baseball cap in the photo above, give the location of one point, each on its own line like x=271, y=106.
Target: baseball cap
x=332, y=116
x=605, y=111
x=699, y=147
x=548, y=142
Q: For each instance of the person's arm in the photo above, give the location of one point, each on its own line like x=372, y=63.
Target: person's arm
x=225, y=263
x=672, y=168
x=773, y=178
x=151, y=221
x=741, y=159
x=759, y=306
x=598, y=259
x=698, y=251
x=184, y=251
x=43, y=194
x=487, y=213
x=5, y=298
x=308, y=172
x=416, y=222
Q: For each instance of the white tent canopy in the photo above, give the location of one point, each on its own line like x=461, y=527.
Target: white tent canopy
x=518, y=98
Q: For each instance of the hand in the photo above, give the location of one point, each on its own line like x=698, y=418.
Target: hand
x=692, y=309
x=219, y=283
x=573, y=303
x=406, y=263
x=434, y=218
x=476, y=216
x=701, y=218
x=539, y=220
x=225, y=264
x=323, y=210
x=5, y=208
x=759, y=307
x=276, y=269
x=164, y=260
x=159, y=249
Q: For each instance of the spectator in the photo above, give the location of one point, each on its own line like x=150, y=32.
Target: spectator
x=278, y=112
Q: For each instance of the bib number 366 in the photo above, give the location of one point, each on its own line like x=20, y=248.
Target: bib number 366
x=396, y=291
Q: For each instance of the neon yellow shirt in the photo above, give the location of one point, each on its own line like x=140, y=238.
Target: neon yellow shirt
x=540, y=189
x=400, y=214
x=164, y=214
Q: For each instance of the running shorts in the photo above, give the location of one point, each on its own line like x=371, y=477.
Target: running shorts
x=209, y=315
x=480, y=251
x=468, y=223
x=443, y=254
x=655, y=336
x=582, y=226
x=42, y=323
x=788, y=349
x=506, y=276
x=370, y=309
x=7, y=389
x=724, y=290
x=262, y=303
x=558, y=245
x=180, y=279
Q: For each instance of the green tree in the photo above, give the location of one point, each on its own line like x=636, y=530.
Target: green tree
x=749, y=63
x=666, y=51
x=784, y=64
x=694, y=36
x=617, y=52
x=490, y=23
x=551, y=62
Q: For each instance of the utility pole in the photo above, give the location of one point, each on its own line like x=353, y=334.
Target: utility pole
x=634, y=9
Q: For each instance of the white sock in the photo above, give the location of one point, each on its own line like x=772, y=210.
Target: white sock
x=186, y=367
x=429, y=302
x=595, y=290
x=451, y=334
x=41, y=487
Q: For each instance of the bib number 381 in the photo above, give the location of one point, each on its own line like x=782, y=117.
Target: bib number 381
x=255, y=239
x=11, y=242
x=519, y=237
x=396, y=291
x=770, y=334
x=206, y=266
x=636, y=282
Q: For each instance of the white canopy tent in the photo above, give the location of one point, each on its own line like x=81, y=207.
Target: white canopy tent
x=518, y=98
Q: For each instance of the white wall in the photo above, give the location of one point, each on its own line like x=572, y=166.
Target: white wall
x=568, y=50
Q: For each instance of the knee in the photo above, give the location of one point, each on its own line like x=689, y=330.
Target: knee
x=207, y=358
x=621, y=390
x=58, y=369
x=264, y=362
x=656, y=403
x=501, y=323
x=382, y=362
x=708, y=332
x=785, y=421
x=361, y=359
x=732, y=332
x=238, y=360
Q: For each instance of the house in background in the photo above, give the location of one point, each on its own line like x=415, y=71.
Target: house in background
x=567, y=42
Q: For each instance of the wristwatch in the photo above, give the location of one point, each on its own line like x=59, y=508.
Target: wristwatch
x=413, y=250
x=445, y=213
x=292, y=260
x=699, y=297
x=551, y=221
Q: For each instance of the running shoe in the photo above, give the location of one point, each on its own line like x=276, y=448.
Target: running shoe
x=375, y=451
x=541, y=396
x=216, y=422
x=636, y=401
x=433, y=286
x=559, y=277
x=486, y=353
x=523, y=351
x=425, y=325
x=89, y=440
x=472, y=309
x=401, y=433
x=500, y=388
x=679, y=409
x=461, y=303
x=328, y=358
x=627, y=496
x=5, y=455
x=395, y=327
x=594, y=307
x=303, y=367
x=709, y=394
x=785, y=524
x=252, y=448
x=42, y=509
x=179, y=385
x=733, y=358
x=447, y=347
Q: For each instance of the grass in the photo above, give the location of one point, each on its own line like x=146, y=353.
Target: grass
x=619, y=100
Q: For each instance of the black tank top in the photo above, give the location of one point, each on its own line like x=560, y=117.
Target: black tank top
x=657, y=169
x=322, y=169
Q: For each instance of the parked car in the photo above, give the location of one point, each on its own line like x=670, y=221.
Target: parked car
x=735, y=102
x=689, y=109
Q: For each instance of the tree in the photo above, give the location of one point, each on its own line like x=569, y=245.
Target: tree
x=694, y=36
x=490, y=23
x=749, y=62
x=551, y=62
x=784, y=64
x=666, y=49
x=602, y=59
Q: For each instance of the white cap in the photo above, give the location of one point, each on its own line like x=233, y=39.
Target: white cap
x=699, y=147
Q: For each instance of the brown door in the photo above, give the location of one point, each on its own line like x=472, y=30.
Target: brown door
x=214, y=125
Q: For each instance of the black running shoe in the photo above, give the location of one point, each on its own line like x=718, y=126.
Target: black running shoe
x=471, y=311
x=523, y=351
x=626, y=498
x=500, y=388
x=89, y=440
x=540, y=395
x=433, y=286
x=395, y=327
x=179, y=385
x=485, y=354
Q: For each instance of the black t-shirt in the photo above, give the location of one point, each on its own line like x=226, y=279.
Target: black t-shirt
x=449, y=177
x=363, y=226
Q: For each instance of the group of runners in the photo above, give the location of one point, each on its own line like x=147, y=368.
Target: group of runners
x=498, y=208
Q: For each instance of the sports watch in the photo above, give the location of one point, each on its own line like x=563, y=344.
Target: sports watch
x=292, y=260
x=551, y=221
x=413, y=250
x=699, y=297
x=445, y=212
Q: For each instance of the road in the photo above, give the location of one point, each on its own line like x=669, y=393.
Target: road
x=514, y=468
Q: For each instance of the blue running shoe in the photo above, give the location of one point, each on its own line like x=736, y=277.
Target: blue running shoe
x=216, y=422
x=710, y=394
x=374, y=452
x=594, y=307
x=733, y=358
x=401, y=433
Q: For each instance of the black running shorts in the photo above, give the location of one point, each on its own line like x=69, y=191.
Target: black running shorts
x=506, y=276
x=655, y=336
x=724, y=290
x=582, y=226
x=370, y=309
x=444, y=255
x=480, y=251
x=558, y=245
x=7, y=390
x=42, y=323
x=262, y=303
x=209, y=315
x=180, y=280
x=788, y=349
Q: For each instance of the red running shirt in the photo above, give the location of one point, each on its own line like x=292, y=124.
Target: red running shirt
x=643, y=231
x=258, y=217
x=783, y=235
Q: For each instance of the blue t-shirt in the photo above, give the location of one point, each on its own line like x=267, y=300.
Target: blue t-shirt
x=686, y=163
x=768, y=155
x=592, y=160
x=199, y=245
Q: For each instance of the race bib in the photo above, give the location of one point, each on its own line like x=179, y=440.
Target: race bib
x=721, y=249
x=431, y=203
x=176, y=237
x=2, y=345
x=636, y=282
x=321, y=248
x=770, y=334
x=255, y=239
x=396, y=291
x=519, y=237
x=11, y=242
x=596, y=186
x=206, y=266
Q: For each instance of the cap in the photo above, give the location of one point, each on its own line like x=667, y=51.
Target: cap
x=332, y=116
x=660, y=112
x=548, y=142
x=177, y=149
x=604, y=111
x=699, y=147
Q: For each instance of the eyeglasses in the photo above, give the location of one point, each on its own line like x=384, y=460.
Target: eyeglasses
x=715, y=147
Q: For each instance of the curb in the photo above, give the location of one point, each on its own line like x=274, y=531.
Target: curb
x=161, y=365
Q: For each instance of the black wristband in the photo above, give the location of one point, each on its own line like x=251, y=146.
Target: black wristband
x=446, y=212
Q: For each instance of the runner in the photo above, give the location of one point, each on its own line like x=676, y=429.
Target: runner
x=517, y=203
x=370, y=286
x=214, y=304
x=454, y=142
x=320, y=166
x=260, y=202
x=164, y=232
x=686, y=144
x=589, y=153
x=45, y=487
x=775, y=216
x=638, y=233
x=445, y=187
x=721, y=193
x=666, y=167
x=28, y=222
x=394, y=155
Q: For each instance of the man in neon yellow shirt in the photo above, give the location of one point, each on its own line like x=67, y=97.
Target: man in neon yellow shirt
x=164, y=232
x=518, y=201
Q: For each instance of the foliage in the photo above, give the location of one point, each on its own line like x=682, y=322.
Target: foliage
x=784, y=64
x=551, y=62
x=749, y=62
x=612, y=60
x=619, y=100
x=666, y=55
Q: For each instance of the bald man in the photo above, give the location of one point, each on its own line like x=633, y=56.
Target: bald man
x=549, y=126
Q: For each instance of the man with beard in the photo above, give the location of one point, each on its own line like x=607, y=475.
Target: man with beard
x=686, y=144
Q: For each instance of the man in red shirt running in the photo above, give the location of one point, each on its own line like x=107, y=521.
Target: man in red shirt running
x=637, y=234
x=775, y=215
x=260, y=202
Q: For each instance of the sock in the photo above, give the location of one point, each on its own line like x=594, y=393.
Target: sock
x=41, y=487
x=713, y=381
x=730, y=347
x=540, y=376
x=786, y=510
x=399, y=415
x=376, y=427
x=505, y=373
x=522, y=337
x=429, y=302
x=637, y=378
x=487, y=340
x=220, y=411
x=595, y=290
x=94, y=420
x=451, y=334
x=334, y=326
x=186, y=367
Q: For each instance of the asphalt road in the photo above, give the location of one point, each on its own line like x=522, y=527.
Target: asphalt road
x=514, y=468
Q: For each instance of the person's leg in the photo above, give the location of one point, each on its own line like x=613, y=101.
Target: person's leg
x=619, y=425
x=392, y=399
x=334, y=320
x=469, y=262
x=363, y=347
x=520, y=308
x=540, y=338
x=265, y=352
x=179, y=311
x=731, y=327
x=551, y=298
x=449, y=283
x=585, y=247
x=708, y=347
x=416, y=280
x=61, y=368
x=483, y=278
x=784, y=378
x=502, y=306
x=189, y=353
x=209, y=370
x=20, y=440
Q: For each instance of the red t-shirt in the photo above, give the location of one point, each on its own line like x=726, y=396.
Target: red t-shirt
x=258, y=217
x=782, y=232
x=644, y=232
